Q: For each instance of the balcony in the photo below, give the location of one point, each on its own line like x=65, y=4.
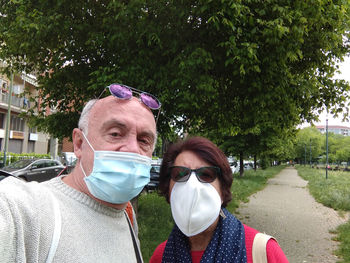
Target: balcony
x=16, y=100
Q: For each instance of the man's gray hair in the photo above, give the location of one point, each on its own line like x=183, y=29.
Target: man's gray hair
x=83, y=123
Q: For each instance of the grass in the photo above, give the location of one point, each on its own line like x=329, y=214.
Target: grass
x=343, y=236
x=333, y=192
x=155, y=222
x=154, y=214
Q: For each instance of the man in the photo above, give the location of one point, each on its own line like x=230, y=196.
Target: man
x=81, y=217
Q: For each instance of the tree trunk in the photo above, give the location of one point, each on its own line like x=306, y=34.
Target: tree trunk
x=241, y=168
x=255, y=162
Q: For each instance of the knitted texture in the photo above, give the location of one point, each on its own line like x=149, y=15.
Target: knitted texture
x=91, y=232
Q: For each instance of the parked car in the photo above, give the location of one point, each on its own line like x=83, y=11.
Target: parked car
x=234, y=167
x=248, y=166
x=68, y=158
x=68, y=168
x=34, y=169
x=154, y=179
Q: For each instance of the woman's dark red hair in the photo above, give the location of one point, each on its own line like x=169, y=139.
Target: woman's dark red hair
x=205, y=150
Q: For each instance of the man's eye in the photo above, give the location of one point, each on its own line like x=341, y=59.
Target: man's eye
x=114, y=134
x=146, y=142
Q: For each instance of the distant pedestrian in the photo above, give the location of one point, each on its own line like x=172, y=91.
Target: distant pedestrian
x=195, y=178
x=25, y=103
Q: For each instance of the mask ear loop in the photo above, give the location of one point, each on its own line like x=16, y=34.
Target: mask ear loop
x=87, y=141
x=81, y=167
x=222, y=214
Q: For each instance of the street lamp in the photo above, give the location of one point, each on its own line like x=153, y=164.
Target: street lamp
x=7, y=131
x=327, y=146
x=310, y=154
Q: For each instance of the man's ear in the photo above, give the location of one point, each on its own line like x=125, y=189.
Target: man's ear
x=77, y=137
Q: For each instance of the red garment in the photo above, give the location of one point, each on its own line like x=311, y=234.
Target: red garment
x=273, y=250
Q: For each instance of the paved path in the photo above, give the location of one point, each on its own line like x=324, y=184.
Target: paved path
x=286, y=210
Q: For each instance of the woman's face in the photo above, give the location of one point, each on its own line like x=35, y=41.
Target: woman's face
x=190, y=160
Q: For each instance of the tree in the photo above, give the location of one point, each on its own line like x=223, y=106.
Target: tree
x=267, y=145
x=338, y=146
x=232, y=67
x=309, y=143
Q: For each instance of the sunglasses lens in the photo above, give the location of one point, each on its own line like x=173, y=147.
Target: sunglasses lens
x=151, y=101
x=179, y=173
x=120, y=91
x=207, y=174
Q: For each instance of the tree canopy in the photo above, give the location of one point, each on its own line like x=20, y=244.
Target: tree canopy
x=234, y=68
x=309, y=145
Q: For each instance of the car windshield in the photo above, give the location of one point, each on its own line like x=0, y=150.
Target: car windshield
x=20, y=164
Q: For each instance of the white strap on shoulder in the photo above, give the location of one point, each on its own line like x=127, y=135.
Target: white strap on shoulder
x=259, y=248
x=57, y=229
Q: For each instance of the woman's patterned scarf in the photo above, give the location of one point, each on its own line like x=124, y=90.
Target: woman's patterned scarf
x=226, y=245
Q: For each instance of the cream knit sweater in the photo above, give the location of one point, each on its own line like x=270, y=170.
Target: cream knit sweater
x=91, y=232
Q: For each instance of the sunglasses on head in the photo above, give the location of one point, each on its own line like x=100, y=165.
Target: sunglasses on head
x=206, y=174
x=124, y=92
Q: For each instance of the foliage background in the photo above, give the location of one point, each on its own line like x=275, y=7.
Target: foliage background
x=244, y=72
x=310, y=146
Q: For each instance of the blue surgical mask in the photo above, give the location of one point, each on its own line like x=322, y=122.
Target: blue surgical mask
x=117, y=177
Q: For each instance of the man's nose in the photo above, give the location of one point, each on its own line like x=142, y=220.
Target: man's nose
x=130, y=145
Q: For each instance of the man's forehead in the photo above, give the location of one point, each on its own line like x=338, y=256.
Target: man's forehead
x=113, y=106
x=114, y=102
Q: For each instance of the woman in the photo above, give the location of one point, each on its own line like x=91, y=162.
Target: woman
x=195, y=178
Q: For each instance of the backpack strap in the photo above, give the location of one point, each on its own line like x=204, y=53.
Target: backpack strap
x=259, y=248
x=134, y=241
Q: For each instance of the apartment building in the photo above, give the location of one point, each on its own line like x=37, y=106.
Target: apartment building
x=21, y=138
x=336, y=129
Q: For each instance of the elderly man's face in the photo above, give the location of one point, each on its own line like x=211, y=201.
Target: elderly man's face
x=119, y=125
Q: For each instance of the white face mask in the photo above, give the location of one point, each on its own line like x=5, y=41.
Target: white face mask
x=194, y=205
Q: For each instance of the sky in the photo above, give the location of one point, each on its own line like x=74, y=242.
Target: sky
x=344, y=68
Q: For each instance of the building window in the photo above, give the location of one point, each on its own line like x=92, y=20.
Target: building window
x=4, y=86
x=2, y=117
x=33, y=130
x=17, y=123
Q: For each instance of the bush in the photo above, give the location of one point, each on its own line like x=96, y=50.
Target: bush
x=14, y=157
